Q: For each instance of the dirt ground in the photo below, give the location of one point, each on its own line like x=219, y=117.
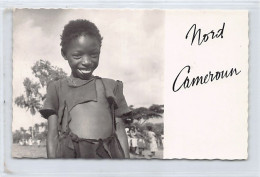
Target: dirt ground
x=34, y=151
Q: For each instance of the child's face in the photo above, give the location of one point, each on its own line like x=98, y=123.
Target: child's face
x=83, y=56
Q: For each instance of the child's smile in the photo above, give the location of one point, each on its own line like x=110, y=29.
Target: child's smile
x=83, y=56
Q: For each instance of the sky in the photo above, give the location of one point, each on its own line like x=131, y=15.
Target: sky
x=132, y=51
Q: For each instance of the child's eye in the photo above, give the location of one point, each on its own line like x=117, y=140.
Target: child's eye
x=94, y=55
x=77, y=56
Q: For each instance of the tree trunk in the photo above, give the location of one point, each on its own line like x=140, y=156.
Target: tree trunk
x=32, y=126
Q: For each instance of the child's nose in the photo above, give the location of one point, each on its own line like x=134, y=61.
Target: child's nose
x=86, y=60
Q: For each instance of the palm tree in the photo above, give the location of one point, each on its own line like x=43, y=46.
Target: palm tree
x=36, y=128
x=43, y=134
x=31, y=131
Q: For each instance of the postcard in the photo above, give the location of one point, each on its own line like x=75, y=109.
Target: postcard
x=130, y=84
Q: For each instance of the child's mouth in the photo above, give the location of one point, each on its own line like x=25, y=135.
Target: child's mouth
x=84, y=71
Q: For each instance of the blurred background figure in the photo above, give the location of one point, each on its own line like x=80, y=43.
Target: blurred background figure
x=140, y=142
x=133, y=140
x=152, y=141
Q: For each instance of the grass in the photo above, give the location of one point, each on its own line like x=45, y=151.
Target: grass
x=146, y=153
x=34, y=151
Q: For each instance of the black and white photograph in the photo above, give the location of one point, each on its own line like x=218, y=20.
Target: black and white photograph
x=128, y=83
x=88, y=83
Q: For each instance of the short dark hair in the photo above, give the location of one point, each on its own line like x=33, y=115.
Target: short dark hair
x=76, y=28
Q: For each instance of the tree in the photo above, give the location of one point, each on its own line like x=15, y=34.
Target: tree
x=33, y=98
x=22, y=130
x=157, y=108
x=42, y=134
x=36, y=129
x=45, y=72
x=17, y=136
x=144, y=114
x=31, y=131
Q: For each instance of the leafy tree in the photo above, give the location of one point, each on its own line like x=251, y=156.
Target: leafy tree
x=45, y=72
x=157, y=108
x=143, y=114
x=43, y=135
x=22, y=130
x=22, y=133
x=32, y=99
x=17, y=135
x=27, y=135
x=158, y=129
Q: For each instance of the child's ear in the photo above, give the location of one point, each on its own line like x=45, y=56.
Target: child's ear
x=63, y=54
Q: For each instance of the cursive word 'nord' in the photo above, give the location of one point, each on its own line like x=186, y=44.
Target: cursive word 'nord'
x=210, y=77
x=205, y=37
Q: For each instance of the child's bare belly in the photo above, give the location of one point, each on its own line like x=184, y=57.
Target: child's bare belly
x=92, y=120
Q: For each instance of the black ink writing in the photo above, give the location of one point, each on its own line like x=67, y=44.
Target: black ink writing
x=210, y=77
x=205, y=37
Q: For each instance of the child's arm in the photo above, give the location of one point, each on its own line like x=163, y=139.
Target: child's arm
x=122, y=137
x=121, y=111
x=50, y=111
x=52, y=137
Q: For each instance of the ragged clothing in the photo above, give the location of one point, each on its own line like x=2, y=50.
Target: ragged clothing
x=68, y=92
x=65, y=94
x=71, y=146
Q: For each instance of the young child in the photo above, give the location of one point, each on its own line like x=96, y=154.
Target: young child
x=133, y=146
x=85, y=112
